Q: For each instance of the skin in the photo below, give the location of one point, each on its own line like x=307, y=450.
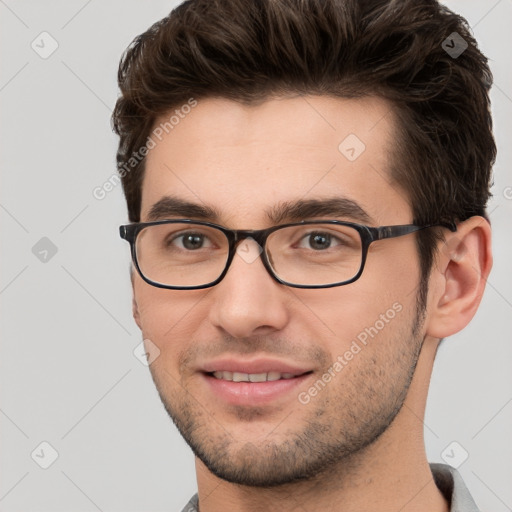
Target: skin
x=357, y=445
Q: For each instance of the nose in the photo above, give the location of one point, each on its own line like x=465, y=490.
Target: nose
x=248, y=301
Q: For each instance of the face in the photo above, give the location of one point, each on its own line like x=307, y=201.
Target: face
x=343, y=357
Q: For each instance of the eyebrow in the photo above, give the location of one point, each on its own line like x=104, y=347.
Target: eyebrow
x=288, y=211
x=170, y=206
x=296, y=211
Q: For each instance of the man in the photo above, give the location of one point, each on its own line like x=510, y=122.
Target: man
x=306, y=184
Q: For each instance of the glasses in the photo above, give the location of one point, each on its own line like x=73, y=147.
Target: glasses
x=186, y=254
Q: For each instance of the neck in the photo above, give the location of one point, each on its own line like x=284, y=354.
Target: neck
x=391, y=474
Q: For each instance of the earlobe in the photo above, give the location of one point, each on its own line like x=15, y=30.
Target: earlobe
x=464, y=263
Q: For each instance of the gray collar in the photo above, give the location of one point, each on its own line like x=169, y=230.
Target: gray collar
x=450, y=483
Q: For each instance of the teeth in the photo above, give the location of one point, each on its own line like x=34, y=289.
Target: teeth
x=273, y=375
x=257, y=377
x=252, y=377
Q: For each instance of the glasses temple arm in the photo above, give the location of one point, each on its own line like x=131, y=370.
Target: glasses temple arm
x=383, y=232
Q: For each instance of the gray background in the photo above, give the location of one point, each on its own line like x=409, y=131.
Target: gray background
x=67, y=369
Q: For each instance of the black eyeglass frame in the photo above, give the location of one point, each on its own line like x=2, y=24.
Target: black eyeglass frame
x=368, y=235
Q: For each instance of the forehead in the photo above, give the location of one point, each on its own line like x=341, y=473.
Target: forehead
x=243, y=160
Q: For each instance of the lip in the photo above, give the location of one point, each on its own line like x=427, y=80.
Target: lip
x=254, y=393
x=260, y=365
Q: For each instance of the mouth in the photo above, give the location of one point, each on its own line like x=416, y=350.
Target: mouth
x=271, y=376
x=255, y=384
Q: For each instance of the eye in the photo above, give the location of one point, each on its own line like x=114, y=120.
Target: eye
x=191, y=241
x=318, y=241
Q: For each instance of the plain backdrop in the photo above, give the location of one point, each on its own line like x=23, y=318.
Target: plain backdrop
x=69, y=377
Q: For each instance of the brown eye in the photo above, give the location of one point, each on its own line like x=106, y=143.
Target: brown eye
x=192, y=241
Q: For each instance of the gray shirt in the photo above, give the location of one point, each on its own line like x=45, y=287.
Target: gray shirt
x=447, y=479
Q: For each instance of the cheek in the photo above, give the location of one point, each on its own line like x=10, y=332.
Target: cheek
x=375, y=305
x=165, y=315
x=348, y=318
x=392, y=271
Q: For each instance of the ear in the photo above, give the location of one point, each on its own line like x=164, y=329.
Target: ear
x=459, y=276
x=135, y=312
x=135, y=306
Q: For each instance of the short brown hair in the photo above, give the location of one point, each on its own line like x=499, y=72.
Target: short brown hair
x=249, y=50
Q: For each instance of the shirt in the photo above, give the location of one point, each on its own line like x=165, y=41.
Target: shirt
x=447, y=479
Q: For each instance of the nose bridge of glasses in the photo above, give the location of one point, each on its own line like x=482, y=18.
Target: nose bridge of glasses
x=248, y=245
x=258, y=235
